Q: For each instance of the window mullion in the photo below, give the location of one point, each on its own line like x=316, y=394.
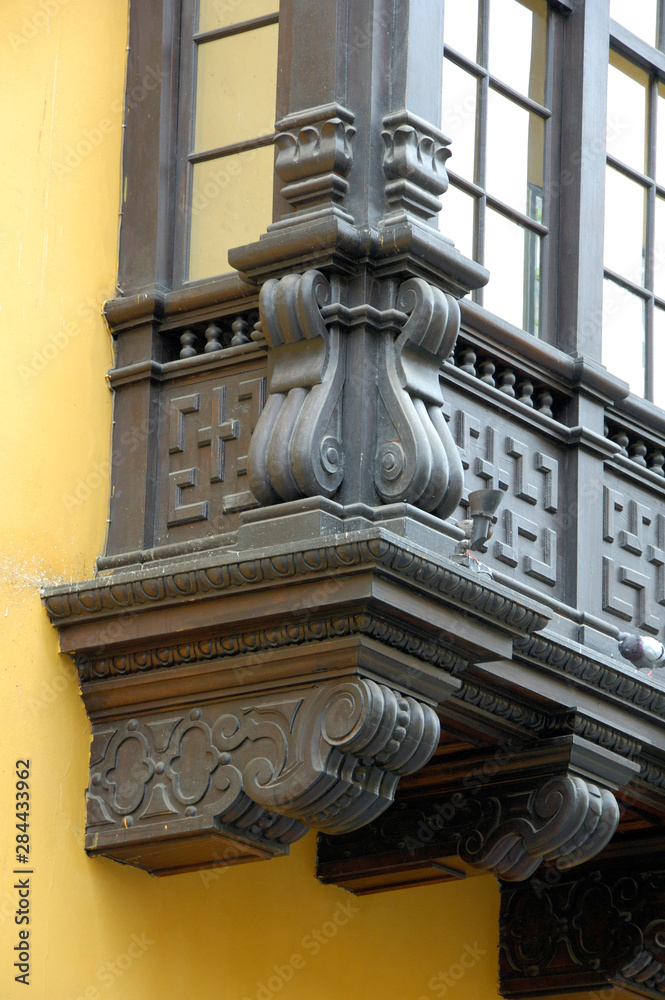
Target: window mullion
x=547, y=321
x=481, y=138
x=650, y=237
x=186, y=116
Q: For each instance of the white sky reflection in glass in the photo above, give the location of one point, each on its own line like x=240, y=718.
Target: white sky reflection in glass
x=639, y=16
x=459, y=118
x=623, y=335
x=626, y=112
x=624, y=226
x=457, y=219
x=461, y=26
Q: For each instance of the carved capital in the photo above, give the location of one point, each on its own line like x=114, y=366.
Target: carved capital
x=254, y=773
x=314, y=157
x=605, y=928
x=417, y=460
x=414, y=163
x=296, y=449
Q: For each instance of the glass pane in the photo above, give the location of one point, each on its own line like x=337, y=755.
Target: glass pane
x=660, y=135
x=514, y=155
x=460, y=26
x=512, y=256
x=659, y=250
x=623, y=335
x=231, y=205
x=626, y=112
x=639, y=16
x=517, y=44
x=236, y=86
x=220, y=13
x=456, y=219
x=624, y=226
x=459, y=117
x=659, y=357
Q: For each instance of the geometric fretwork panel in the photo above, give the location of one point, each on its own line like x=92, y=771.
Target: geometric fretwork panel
x=206, y=429
x=528, y=466
x=633, y=561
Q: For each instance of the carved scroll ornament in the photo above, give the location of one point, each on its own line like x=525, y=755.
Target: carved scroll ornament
x=417, y=460
x=296, y=449
x=568, y=821
x=328, y=756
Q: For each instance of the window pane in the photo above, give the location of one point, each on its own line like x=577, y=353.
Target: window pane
x=460, y=26
x=220, y=13
x=459, y=117
x=231, y=205
x=626, y=112
x=659, y=250
x=639, y=16
x=623, y=335
x=517, y=45
x=624, y=226
x=512, y=256
x=514, y=155
x=659, y=357
x=236, y=86
x=456, y=219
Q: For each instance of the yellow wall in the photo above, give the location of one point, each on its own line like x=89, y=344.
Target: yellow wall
x=100, y=930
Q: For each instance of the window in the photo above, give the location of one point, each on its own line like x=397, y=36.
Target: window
x=228, y=170
x=496, y=109
x=634, y=257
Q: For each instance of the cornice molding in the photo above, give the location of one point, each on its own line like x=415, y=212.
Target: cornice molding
x=618, y=682
x=260, y=640
x=503, y=706
x=204, y=574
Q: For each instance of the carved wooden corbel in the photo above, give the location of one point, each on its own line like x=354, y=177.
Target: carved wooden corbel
x=296, y=449
x=585, y=933
x=506, y=811
x=255, y=772
x=417, y=460
x=567, y=820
